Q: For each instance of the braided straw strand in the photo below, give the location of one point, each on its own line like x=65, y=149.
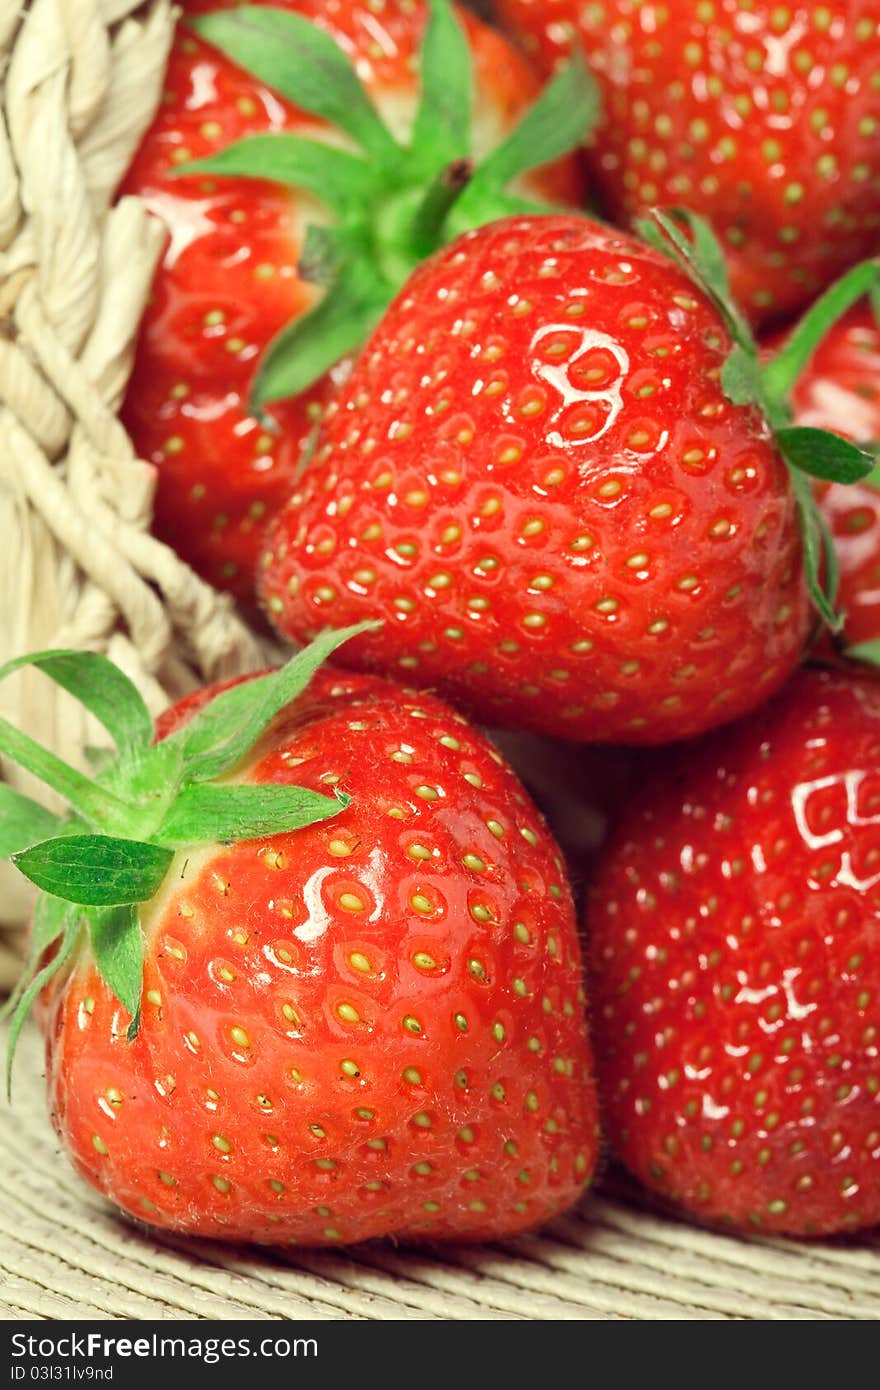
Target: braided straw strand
x=81, y=81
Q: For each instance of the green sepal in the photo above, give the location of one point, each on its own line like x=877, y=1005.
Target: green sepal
x=782, y=372
x=98, y=759
x=324, y=251
x=96, y=870
x=23, y=822
x=396, y=205
x=98, y=806
x=745, y=381
x=700, y=256
x=441, y=130
x=823, y=454
x=224, y=813
x=97, y=683
x=96, y=880
x=741, y=376
x=300, y=61
x=561, y=117
x=309, y=346
x=118, y=946
x=46, y=927
x=867, y=652
x=221, y=734
x=817, y=548
x=340, y=179
x=70, y=931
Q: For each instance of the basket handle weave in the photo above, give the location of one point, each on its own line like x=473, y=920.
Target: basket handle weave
x=80, y=80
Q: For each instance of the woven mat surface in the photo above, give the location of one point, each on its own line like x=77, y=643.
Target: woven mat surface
x=64, y=1255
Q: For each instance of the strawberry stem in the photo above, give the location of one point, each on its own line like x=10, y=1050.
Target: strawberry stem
x=426, y=228
x=780, y=374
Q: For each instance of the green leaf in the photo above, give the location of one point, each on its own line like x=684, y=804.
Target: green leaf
x=869, y=652
x=23, y=822
x=72, y=930
x=816, y=541
x=99, y=759
x=303, y=351
x=741, y=377
x=823, y=454
x=441, y=131
x=341, y=180
x=99, y=685
x=96, y=870
x=204, y=812
x=303, y=64
x=707, y=253
x=97, y=805
x=560, y=120
x=118, y=946
x=227, y=729
x=783, y=371
x=429, y=223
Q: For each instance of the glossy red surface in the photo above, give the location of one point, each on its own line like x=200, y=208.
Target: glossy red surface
x=734, y=928
x=534, y=477
x=763, y=117
x=374, y=1025
x=229, y=282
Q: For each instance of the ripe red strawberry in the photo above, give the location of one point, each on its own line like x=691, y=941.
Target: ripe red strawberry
x=839, y=390
x=371, y=1024
x=763, y=117
x=733, y=942
x=534, y=475
x=230, y=279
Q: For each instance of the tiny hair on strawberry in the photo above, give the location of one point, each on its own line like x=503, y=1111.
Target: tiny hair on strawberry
x=563, y=476
x=307, y=963
x=305, y=158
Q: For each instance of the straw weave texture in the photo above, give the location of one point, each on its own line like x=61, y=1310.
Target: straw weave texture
x=79, y=83
x=64, y=1254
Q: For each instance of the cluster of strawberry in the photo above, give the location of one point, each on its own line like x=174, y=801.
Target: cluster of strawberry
x=306, y=953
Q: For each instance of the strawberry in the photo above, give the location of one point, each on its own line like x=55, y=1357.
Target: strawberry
x=733, y=945
x=232, y=277
x=839, y=390
x=342, y=995
x=535, y=473
x=840, y=387
x=763, y=117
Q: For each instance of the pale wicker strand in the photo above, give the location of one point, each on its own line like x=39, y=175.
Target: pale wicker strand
x=81, y=80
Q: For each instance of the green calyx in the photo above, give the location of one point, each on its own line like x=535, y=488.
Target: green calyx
x=113, y=849
x=809, y=453
x=393, y=204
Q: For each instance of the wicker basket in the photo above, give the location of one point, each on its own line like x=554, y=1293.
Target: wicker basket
x=80, y=82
